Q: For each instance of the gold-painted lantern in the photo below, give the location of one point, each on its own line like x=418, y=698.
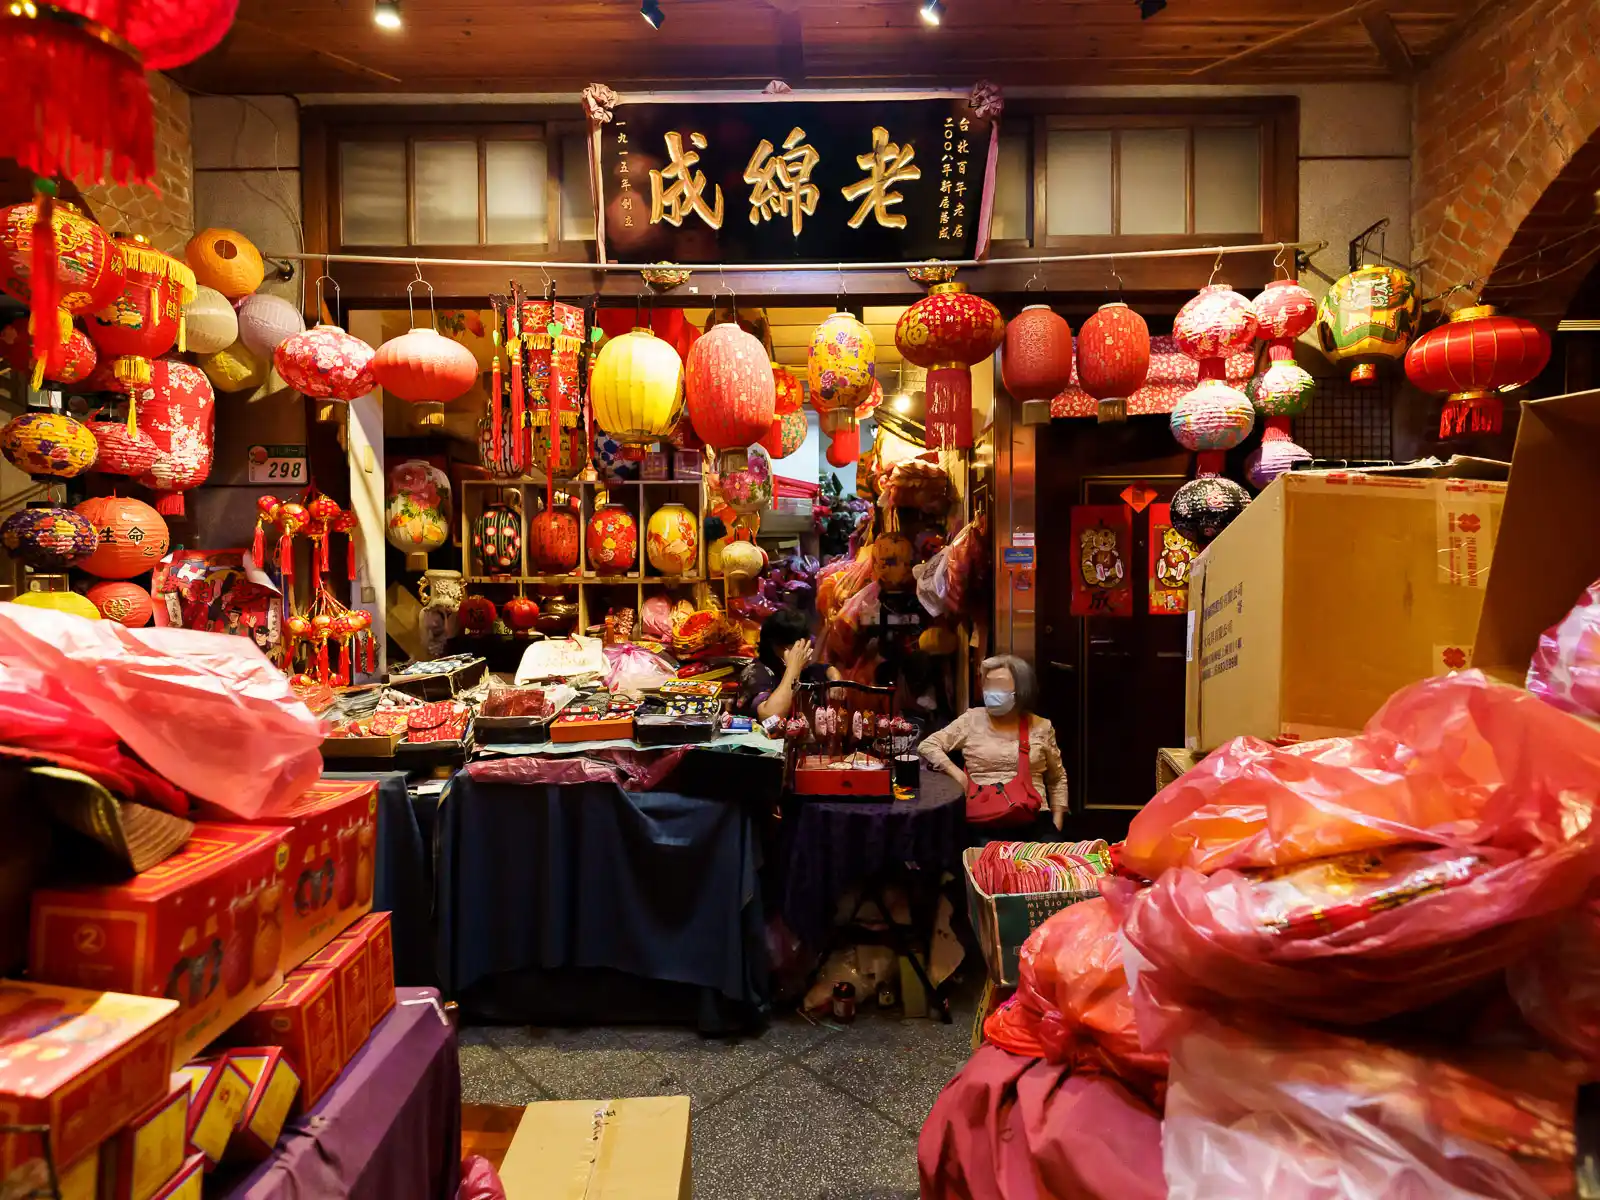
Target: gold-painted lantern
x=1368, y=317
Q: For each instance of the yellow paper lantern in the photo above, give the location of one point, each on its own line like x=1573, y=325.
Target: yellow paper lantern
x=672, y=540
x=637, y=388
x=226, y=260
x=235, y=369
x=51, y=592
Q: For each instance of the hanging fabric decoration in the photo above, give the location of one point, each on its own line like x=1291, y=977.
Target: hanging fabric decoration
x=291, y=518
x=552, y=339
x=1102, y=585
x=1367, y=318
x=323, y=510
x=1113, y=358
x=840, y=368
x=71, y=360
x=1472, y=358
x=54, y=259
x=1284, y=311
x=1171, y=557
x=730, y=394
x=949, y=331
x=1036, y=363
x=180, y=412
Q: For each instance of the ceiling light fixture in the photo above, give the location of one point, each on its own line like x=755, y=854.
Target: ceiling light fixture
x=650, y=10
x=386, y=14
x=1149, y=8
x=933, y=11
x=902, y=403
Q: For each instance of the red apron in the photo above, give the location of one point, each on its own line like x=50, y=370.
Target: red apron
x=1014, y=802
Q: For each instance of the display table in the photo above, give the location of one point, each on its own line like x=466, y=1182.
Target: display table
x=388, y=1129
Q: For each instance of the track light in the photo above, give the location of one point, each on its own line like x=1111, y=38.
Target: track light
x=386, y=14
x=650, y=10
x=1149, y=8
x=933, y=11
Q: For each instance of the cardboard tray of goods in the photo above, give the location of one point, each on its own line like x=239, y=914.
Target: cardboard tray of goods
x=1003, y=922
x=445, y=685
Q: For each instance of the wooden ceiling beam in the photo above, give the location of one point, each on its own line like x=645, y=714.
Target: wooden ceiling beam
x=1390, y=45
x=1344, y=16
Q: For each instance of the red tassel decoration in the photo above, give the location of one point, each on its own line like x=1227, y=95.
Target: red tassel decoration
x=350, y=556
x=46, y=294
x=170, y=504
x=322, y=661
x=324, y=547
x=519, y=411
x=258, y=548
x=372, y=654
x=344, y=660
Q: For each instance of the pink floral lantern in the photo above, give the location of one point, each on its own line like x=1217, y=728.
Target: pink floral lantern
x=1284, y=311
x=179, y=409
x=326, y=363
x=1213, y=417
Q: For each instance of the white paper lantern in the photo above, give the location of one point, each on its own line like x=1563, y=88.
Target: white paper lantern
x=266, y=322
x=209, y=322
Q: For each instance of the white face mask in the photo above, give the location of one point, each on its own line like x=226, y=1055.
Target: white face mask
x=999, y=703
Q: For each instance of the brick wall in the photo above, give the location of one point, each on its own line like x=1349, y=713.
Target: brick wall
x=1498, y=117
x=164, y=214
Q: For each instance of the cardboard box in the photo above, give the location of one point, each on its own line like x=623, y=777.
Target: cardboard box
x=332, y=858
x=203, y=928
x=1330, y=592
x=302, y=1018
x=1003, y=922
x=83, y=1063
x=142, y=1158
x=1548, y=552
x=687, y=464
x=379, y=935
x=187, y=1184
x=347, y=959
x=274, y=1087
x=639, y=1150
x=218, y=1092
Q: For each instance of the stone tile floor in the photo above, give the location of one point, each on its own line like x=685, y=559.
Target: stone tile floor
x=801, y=1112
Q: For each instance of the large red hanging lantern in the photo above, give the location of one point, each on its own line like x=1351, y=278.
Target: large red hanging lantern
x=1113, y=358
x=180, y=410
x=729, y=392
x=1036, y=363
x=425, y=368
x=1472, y=358
x=326, y=363
x=949, y=331
x=146, y=320
x=122, y=452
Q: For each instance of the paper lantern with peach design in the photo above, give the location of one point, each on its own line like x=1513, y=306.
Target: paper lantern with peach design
x=425, y=368
x=123, y=602
x=133, y=537
x=326, y=363
x=949, y=331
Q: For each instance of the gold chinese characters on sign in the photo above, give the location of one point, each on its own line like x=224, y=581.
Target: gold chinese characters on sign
x=952, y=179
x=888, y=165
x=781, y=185
x=678, y=190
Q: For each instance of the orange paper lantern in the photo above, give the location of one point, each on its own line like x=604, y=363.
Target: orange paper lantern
x=126, y=603
x=133, y=537
x=425, y=367
x=225, y=261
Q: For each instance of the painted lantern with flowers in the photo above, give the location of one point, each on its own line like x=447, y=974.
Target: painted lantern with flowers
x=48, y=445
x=949, y=331
x=840, y=368
x=417, y=516
x=612, y=540
x=497, y=539
x=71, y=360
x=326, y=363
x=1367, y=318
x=145, y=319
x=672, y=540
x=47, y=537
x=1284, y=311
x=179, y=409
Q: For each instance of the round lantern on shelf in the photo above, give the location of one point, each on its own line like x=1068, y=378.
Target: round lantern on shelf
x=1472, y=358
x=48, y=445
x=1367, y=318
x=326, y=363
x=209, y=322
x=611, y=542
x=949, y=331
x=425, y=368
x=417, y=513
x=179, y=410
x=47, y=537
x=133, y=537
x=519, y=613
x=840, y=368
x=266, y=322
x=729, y=392
x=746, y=485
x=225, y=261
x=672, y=540
x=788, y=394
x=1036, y=362
x=123, y=602
x=1204, y=507
x=145, y=320
x=1284, y=311
x=234, y=369
x=637, y=388
x=71, y=360
x=497, y=540
x=121, y=452
x=477, y=614
x=553, y=538
x=1113, y=358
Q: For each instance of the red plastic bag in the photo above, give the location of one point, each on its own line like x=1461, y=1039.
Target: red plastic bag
x=205, y=710
x=1298, y=1114
x=1565, y=670
x=1557, y=987
x=479, y=1180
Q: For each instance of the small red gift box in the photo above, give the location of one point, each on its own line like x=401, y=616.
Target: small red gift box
x=274, y=1086
x=218, y=1093
x=347, y=959
x=151, y=1150
x=379, y=936
x=302, y=1018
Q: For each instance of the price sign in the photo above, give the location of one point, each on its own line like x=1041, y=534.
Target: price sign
x=279, y=465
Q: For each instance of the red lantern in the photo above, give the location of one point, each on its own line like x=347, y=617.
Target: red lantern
x=1113, y=358
x=519, y=613
x=1037, y=363
x=126, y=603
x=180, y=411
x=70, y=361
x=1212, y=325
x=787, y=393
x=1472, y=358
x=553, y=541
x=146, y=320
x=870, y=405
x=427, y=368
x=77, y=262
x=730, y=392
x=121, y=452
x=133, y=537
x=949, y=331
x=477, y=614
x=326, y=363
x=612, y=541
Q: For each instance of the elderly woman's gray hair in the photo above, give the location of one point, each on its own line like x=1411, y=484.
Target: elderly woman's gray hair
x=1027, y=687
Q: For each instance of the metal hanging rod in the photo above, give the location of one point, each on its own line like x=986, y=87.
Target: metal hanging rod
x=635, y=268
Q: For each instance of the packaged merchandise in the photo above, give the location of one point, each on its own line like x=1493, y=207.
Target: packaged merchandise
x=346, y=958
x=218, y=1092
x=302, y=1019
x=376, y=931
x=144, y=1156
x=188, y=1183
x=274, y=1087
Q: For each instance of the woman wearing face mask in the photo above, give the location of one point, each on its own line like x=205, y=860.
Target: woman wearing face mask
x=1013, y=775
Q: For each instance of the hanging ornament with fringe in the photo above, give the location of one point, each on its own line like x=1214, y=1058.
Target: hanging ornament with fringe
x=146, y=320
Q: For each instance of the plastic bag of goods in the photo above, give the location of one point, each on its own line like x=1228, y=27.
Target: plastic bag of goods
x=632, y=668
x=1566, y=667
x=1557, y=987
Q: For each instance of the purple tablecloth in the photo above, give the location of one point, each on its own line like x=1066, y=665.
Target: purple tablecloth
x=388, y=1129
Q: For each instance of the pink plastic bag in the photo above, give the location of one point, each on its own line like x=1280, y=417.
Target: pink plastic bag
x=479, y=1180
x=1297, y=1114
x=632, y=668
x=1557, y=987
x=205, y=710
x=1566, y=667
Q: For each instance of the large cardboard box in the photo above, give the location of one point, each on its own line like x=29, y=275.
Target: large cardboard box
x=601, y=1150
x=203, y=928
x=1329, y=593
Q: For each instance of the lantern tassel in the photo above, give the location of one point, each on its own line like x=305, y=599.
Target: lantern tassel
x=258, y=548
x=44, y=287
x=350, y=556
x=324, y=547
x=169, y=504
x=183, y=334
x=1479, y=414
x=949, y=407
x=496, y=407
x=519, y=412
x=344, y=660
x=322, y=662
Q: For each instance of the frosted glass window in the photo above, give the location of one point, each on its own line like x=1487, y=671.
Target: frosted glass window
x=1154, y=192
x=1078, y=182
x=1227, y=180
x=577, y=199
x=1013, y=183
x=372, y=187
x=516, y=173
x=446, y=188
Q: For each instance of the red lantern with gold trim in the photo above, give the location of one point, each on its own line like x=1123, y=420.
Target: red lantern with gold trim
x=730, y=392
x=787, y=393
x=83, y=269
x=1472, y=358
x=1113, y=358
x=949, y=331
x=1037, y=362
x=146, y=320
x=70, y=361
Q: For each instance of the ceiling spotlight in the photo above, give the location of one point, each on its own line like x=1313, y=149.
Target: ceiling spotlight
x=650, y=10
x=1149, y=8
x=933, y=11
x=386, y=14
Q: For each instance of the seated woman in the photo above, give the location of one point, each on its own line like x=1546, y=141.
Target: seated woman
x=783, y=659
x=1013, y=777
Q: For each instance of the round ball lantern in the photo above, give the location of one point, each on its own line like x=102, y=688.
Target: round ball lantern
x=48, y=538
x=1113, y=358
x=1215, y=323
x=792, y=433
x=788, y=394
x=145, y=320
x=1367, y=318
x=553, y=538
x=729, y=392
x=417, y=514
x=133, y=537
x=179, y=409
x=1212, y=419
x=1204, y=507
x=611, y=543
x=234, y=369
x=637, y=388
x=672, y=540
x=1472, y=358
x=326, y=363
x=209, y=322
x=747, y=487
x=742, y=560
x=497, y=539
x=840, y=368
x=71, y=360
x=949, y=331
x=121, y=452
x=892, y=557
x=84, y=268
x=519, y=613
x=48, y=445
x=267, y=322
x=61, y=599
x=123, y=602
x=426, y=368
x=225, y=261
x=1277, y=455
x=1036, y=363
x=477, y=614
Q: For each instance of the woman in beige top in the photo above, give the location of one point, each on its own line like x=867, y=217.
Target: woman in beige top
x=989, y=741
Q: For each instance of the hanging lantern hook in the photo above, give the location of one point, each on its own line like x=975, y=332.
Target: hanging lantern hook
x=733, y=298
x=1215, y=267
x=338, y=316
x=1277, y=260
x=1117, y=277
x=1032, y=279
x=411, y=308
